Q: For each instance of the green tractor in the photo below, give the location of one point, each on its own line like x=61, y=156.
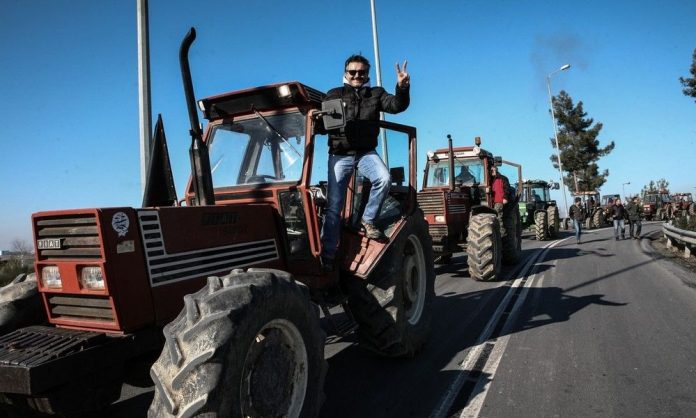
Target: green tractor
x=538, y=210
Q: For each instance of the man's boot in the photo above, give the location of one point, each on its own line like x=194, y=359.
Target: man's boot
x=372, y=232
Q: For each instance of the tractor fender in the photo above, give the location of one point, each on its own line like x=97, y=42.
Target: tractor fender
x=475, y=210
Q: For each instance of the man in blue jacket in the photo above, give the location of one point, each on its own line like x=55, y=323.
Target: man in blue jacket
x=354, y=146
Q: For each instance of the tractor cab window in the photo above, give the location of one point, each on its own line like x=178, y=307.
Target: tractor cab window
x=257, y=150
x=466, y=173
x=536, y=194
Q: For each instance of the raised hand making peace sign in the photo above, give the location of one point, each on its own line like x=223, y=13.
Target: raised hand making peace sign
x=402, y=77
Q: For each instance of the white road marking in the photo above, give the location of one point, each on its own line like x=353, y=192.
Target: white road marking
x=482, y=343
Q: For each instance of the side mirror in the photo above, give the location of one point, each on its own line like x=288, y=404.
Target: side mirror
x=397, y=175
x=498, y=161
x=332, y=114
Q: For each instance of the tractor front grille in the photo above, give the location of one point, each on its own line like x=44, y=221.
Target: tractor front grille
x=432, y=203
x=73, y=236
x=438, y=232
x=77, y=307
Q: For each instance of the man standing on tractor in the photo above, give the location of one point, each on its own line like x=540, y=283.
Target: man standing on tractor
x=500, y=188
x=354, y=146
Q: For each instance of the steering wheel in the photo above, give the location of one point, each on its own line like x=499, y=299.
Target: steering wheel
x=260, y=178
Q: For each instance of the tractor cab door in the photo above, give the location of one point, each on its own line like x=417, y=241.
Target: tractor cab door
x=359, y=253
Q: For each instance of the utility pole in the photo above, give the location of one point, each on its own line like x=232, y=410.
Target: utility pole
x=378, y=72
x=144, y=106
x=555, y=135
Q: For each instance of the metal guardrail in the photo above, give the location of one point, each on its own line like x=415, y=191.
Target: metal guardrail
x=681, y=236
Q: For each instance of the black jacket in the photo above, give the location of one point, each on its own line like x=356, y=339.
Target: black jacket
x=619, y=212
x=635, y=211
x=362, y=107
x=577, y=212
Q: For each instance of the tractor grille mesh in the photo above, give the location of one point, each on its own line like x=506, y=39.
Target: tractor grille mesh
x=432, y=203
x=78, y=235
x=90, y=308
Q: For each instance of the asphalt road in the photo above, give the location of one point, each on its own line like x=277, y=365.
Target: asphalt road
x=603, y=328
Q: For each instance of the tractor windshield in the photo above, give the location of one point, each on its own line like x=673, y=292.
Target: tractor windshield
x=536, y=194
x=466, y=172
x=260, y=149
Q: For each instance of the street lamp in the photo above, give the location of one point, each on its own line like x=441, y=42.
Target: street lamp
x=623, y=188
x=555, y=135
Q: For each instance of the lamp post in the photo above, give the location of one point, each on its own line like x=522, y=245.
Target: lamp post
x=555, y=135
x=623, y=188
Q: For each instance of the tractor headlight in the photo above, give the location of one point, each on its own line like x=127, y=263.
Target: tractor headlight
x=50, y=277
x=440, y=218
x=92, y=278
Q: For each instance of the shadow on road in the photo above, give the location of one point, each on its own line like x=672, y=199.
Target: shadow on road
x=556, y=306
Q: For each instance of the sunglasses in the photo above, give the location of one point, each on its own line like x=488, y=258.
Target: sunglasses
x=358, y=72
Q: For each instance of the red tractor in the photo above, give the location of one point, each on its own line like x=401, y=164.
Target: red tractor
x=224, y=291
x=458, y=204
x=683, y=203
x=657, y=205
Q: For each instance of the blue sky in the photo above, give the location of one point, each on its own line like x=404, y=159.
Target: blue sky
x=69, y=106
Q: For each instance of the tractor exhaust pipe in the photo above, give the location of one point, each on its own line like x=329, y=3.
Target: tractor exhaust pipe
x=200, y=161
x=451, y=162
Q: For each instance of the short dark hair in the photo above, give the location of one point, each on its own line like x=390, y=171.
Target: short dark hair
x=577, y=199
x=357, y=58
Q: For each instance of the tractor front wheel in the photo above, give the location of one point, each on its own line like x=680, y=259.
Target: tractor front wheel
x=20, y=304
x=484, y=247
x=512, y=241
x=394, y=307
x=541, y=225
x=554, y=221
x=248, y=344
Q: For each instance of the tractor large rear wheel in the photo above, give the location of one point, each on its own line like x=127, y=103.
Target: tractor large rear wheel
x=394, y=307
x=248, y=344
x=541, y=225
x=598, y=219
x=512, y=241
x=484, y=247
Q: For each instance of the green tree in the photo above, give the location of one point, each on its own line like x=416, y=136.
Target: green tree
x=655, y=186
x=580, y=150
x=689, y=84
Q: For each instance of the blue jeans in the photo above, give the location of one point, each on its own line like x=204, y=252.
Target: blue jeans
x=341, y=168
x=619, y=223
x=578, y=228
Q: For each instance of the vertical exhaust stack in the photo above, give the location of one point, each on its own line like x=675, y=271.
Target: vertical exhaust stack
x=451, y=162
x=200, y=161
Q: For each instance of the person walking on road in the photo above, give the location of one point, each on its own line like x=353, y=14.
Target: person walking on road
x=577, y=214
x=619, y=215
x=635, y=213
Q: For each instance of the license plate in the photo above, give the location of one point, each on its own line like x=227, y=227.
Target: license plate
x=48, y=244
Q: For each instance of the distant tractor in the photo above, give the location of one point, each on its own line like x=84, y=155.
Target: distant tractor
x=657, y=205
x=607, y=205
x=458, y=204
x=225, y=291
x=595, y=216
x=536, y=208
x=683, y=204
